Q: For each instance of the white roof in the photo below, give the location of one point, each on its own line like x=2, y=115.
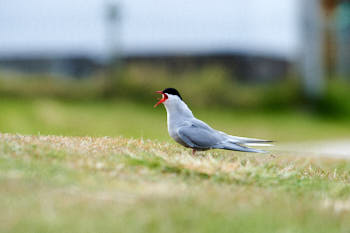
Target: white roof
x=150, y=26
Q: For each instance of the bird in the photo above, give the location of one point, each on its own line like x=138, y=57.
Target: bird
x=193, y=133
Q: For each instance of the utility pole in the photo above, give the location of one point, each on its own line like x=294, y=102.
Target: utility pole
x=113, y=46
x=312, y=69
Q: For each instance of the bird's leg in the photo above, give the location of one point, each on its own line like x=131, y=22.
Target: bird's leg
x=193, y=151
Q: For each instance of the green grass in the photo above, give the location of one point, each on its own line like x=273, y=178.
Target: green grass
x=119, y=171
x=121, y=117
x=116, y=184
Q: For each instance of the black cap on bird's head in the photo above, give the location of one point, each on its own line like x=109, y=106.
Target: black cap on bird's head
x=170, y=91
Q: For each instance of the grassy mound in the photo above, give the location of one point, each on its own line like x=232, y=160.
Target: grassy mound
x=116, y=184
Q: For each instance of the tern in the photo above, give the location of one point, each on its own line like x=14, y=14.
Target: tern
x=190, y=132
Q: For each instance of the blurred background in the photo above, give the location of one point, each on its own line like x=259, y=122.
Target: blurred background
x=271, y=68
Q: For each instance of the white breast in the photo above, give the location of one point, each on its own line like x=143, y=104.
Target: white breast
x=178, y=114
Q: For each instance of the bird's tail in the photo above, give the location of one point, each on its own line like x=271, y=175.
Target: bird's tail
x=247, y=141
x=257, y=144
x=236, y=147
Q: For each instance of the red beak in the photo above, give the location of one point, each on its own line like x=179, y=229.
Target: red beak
x=165, y=97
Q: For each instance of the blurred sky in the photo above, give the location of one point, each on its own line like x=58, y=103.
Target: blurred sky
x=66, y=26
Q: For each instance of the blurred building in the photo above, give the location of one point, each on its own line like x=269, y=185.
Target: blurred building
x=254, y=40
x=241, y=66
x=244, y=67
x=70, y=66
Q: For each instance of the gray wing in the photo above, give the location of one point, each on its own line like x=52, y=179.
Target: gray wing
x=199, y=137
x=197, y=134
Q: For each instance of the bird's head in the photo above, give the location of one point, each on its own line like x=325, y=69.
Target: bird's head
x=168, y=94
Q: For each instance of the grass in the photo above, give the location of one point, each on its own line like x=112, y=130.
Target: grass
x=118, y=184
x=122, y=117
x=128, y=176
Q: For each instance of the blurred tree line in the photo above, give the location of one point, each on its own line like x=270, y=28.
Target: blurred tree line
x=211, y=86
